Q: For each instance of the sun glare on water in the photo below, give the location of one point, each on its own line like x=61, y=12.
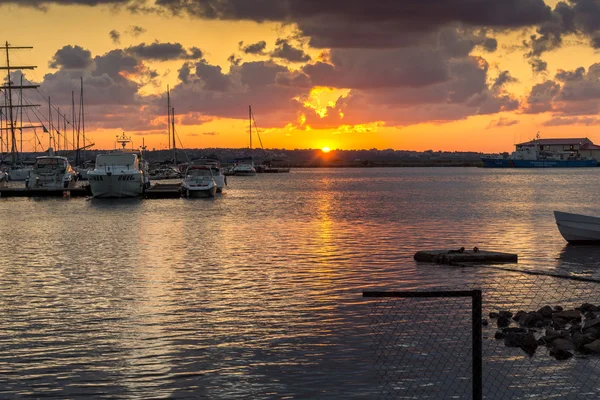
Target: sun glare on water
x=325, y=149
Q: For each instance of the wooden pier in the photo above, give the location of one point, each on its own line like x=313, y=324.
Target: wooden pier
x=81, y=191
x=163, y=191
x=456, y=257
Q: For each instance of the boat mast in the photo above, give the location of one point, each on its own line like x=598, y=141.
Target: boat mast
x=83, y=122
x=50, y=124
x=169, y=117
x=250, y=122
x=73, y=116
x=173, y=129
x=21, y=124
x=8, y=90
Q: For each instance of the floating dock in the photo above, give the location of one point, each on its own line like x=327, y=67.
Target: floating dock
x=81, y=191
x=163, y=191
x=456, y=257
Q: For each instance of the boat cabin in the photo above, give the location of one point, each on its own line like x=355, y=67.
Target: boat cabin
x=128, y=160
x=51, y=164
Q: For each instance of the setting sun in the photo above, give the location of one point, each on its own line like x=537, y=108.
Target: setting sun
x=325, y=149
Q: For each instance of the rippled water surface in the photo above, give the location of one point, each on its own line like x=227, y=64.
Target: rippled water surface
x=256, y=293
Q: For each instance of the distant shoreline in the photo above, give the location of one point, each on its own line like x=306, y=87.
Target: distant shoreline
x=398, y=164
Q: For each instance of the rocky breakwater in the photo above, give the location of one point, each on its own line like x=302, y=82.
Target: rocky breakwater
x=562, y=332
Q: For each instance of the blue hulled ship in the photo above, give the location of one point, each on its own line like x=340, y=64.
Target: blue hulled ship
x=548, y=153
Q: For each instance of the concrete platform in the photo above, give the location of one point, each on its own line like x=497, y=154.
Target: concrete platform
x=451, y=257
x=163, y=191
x=22, y=192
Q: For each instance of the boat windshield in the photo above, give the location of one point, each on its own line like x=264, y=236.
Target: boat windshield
x=50, y=164
x=198, y=172
x=112, y=160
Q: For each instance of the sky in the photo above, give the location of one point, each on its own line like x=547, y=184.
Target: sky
x=454, y=75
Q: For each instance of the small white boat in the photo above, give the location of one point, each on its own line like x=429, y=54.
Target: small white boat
x=244, y=167
x=577, y=228
x=217, y=172
x=199, y=182
x=51, y=172
x=118, y=175
x=164, y=173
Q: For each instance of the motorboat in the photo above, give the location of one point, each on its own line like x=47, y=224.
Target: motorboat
x=51, y=172
x=578, y=228
x=244, y=167
x=199, y=182
x=217, y=172
x=164, y=172
x=117, y=175
x=18, y=172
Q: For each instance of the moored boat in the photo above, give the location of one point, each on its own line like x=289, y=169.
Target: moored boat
x=217, y=172
x=118, y=175
x=244, y=167
x=51, y=172
x=199, y=182
x=164, y=172
x=578, y=228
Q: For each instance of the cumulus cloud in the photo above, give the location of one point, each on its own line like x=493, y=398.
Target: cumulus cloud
x=115, y=36
x=164, y=51
x=288, y=52
x=501, y=122
x=71, y=58
x=136, y=31
x=560, y=121
x=253, y=48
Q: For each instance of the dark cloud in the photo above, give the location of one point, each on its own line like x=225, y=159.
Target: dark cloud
x=136, y=31
x=503, y=78
x=559, y=121
x=538, y=65
x=541, y=96
x=212, y=77
x=288, y=52
x=254, y=48
x=164, y=51
x=501, y=122
x=71, y=57
x=210, y=133
x=115, y=36
x=234, y=60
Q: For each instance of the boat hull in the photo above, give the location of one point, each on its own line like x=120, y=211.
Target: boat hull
x=577, y=228
x=508, y=163
x=117, y=186
x=195, y=193
x=244, y=173
x=19, y=174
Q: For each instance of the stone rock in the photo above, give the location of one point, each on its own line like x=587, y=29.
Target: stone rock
x=514, y=330
x=546, y=311
x=575, y=328
x=518, y=315
x=581, y=339
x=494, y=315
x=563, y=344
x=526, y=341
x=595, y=332
x=591, y=323
x=558, y=308
x=568, y=315
x=561, y=354
x=484, y=322
x=552, y=332
x=586, y=307
x=502, y=322
x=499, y=335
x=594, y=347
x=531, y=319
x=559, y=323
x=505, y=314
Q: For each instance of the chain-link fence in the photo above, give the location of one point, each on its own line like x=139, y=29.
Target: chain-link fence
x=540, y=339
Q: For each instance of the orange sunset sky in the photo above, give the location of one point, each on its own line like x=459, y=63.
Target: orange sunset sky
x=474, y=75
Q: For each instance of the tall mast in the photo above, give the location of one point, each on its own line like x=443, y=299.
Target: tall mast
x=65, y=133
x=83, y=121
x=250, y=123
x=57, y=141
x=73, y=116
x=21, y=123
x=173, y=129
x=8, y=88
x=50, y=124
x=169, y=116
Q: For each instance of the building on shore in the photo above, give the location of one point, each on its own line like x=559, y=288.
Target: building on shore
x=558, y=145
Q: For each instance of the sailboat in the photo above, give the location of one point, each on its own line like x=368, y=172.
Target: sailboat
x=245, y=165
x=16, y=170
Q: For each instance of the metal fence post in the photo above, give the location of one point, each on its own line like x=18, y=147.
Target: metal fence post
x=477, y=347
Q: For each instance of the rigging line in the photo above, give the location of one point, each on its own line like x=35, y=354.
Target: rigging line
x=182, y=148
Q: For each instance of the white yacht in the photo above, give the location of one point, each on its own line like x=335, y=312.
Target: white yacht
x=117, y=175
x=245, y=167
x=51, y=172
x=18, y=173
x=217, y=172
x=164, y=172
x=199, y=182
x=577, y=228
